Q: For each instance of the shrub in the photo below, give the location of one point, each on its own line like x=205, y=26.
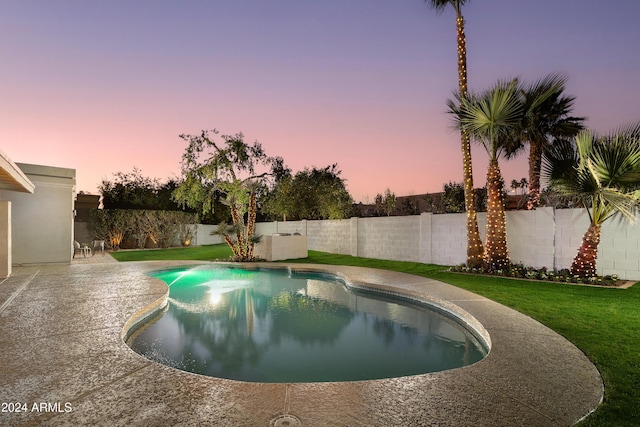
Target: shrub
x=519, y=271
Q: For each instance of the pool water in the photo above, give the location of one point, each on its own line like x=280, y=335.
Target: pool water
x=275, y=326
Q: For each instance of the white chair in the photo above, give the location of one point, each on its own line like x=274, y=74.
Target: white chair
x=80, y=249
x=97, y=244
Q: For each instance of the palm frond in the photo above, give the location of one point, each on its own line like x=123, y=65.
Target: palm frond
x=602, y=172
x=550, y=86
x=440, y=5
x=491, y=116
x=617, y=159
x=612, y=203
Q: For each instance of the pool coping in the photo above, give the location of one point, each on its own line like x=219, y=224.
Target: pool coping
x=64, y=345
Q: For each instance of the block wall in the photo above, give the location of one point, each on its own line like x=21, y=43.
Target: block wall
x=619, y=251
x=448, y=239
x=333, y=236
x=531, y=236
x=546, y=237
x=571, y=224
x=395, y=238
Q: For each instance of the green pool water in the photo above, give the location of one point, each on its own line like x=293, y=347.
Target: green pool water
x=281, y=327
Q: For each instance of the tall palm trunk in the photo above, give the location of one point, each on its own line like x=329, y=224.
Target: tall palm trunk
x=237, y=221
x=584, y=264
x=474, y=244
x=535, y=163
x=496, y=254
x=232, y=245
x=251, y=224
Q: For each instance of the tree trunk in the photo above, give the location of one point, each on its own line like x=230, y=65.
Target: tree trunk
x=474, y=244
x=496, y=253
x=251, y=224
x=232, y=245
x=238, y=222
x=584, y=264
x=535, y=163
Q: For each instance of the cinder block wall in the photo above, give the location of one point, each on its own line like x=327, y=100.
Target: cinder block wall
x=546, y=237
x=619, y=251
x=395, y=238
x=531, y=236
x=571, y=224
x=203, y=235
x=448, y=239
x=333, y=236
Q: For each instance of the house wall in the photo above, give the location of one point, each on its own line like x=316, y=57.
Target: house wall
x=5, y=238
x=42, y=222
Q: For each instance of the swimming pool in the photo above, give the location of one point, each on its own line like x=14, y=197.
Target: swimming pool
x=283, y=326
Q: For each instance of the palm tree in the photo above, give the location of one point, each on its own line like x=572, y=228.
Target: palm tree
x=603, y=173
x=474, y=244
x=490, y=118
x=543, y=122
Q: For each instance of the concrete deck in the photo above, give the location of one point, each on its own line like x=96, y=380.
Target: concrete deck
x=62, y=346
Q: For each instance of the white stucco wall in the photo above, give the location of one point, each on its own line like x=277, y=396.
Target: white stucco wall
x=277, y=247
x=42, y=222
x=5, y=238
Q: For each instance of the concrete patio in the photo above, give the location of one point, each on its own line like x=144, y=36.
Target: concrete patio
x=62, y=350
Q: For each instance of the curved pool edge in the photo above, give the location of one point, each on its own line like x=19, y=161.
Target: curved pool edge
x=446, y=308
x=143, y=315
x=455, y=314
x=75, y=354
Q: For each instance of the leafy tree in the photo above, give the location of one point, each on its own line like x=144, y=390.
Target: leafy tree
x=279, y=201
x=453, y=197
x=163, y=228
x=385, y=203
x=111, y=224
x=320, y=193
x=232, y=170
x=409, y=207
x=475, y=250
x=316, y=193
x=132, y=190
x=481, y=198
x=603, y=174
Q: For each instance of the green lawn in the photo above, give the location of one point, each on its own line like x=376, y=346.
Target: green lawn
x=604, y=323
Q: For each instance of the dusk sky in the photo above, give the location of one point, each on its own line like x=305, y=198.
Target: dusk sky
x=106, y=86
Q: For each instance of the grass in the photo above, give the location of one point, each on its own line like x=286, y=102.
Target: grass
x=603, y=322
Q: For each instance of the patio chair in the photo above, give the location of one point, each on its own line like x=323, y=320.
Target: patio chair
x=97, y=244
x=80, y=249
